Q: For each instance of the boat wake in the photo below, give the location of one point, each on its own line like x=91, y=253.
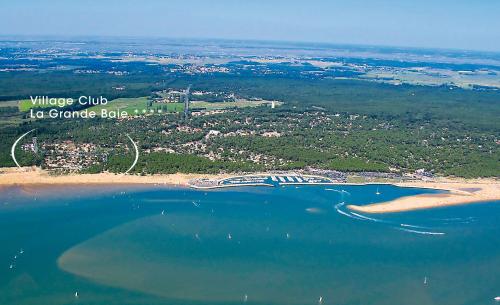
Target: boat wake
x=366, y=218
x=457, y=220
x=340, y=192
x=348, y=214
x=398, y=226
x=412, y=226
x=333, y=190
x=422, y=232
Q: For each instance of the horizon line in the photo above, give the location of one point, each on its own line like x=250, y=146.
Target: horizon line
x=302, y=42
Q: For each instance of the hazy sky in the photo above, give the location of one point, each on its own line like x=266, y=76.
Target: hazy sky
x=463, y=24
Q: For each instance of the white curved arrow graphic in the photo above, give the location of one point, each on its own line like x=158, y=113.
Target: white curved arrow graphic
x=136, y=155
x=12, y=150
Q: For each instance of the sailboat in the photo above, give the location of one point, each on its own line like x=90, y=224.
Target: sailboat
x=377, y=192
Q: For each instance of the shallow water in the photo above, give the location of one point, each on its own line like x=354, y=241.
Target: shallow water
x=255, y=245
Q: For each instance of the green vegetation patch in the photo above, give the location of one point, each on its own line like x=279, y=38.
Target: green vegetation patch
x=137, y=106
x=26, y=104
x=356, y=165
x=170, y=163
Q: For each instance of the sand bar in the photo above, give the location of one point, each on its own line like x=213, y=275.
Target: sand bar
x=459, y=191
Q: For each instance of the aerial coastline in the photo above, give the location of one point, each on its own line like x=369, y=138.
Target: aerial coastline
x=458, y=191
x=165, y=157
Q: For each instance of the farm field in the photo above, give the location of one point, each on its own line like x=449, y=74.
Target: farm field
x=26, y=104
x=139, y=105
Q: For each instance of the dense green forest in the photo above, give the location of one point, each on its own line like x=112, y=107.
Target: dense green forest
x=346, y=125
x=22, y=85
x=476, y=108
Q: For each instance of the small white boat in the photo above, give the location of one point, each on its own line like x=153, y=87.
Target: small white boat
x=320, y=300
x=287, y=236
x=497, y=299
x=76, y=294
x=425, y=280
x=229, y=236
x=377, y=192
x=21, y=251
x=245, y=298
x=163, y=212
x=11, y=266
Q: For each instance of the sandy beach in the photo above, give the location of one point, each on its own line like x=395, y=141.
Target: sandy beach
x=36, y=176
x=459, y=191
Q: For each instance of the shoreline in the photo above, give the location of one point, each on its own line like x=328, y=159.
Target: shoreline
x=459, y=191
x=34, y=176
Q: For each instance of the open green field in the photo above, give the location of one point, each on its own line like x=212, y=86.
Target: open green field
x=26, y=104
x=170, y=107
x=10, y=114
x=139, y=105
x=130, y=105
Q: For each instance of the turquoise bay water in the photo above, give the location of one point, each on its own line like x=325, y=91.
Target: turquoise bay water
x=254, y=245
